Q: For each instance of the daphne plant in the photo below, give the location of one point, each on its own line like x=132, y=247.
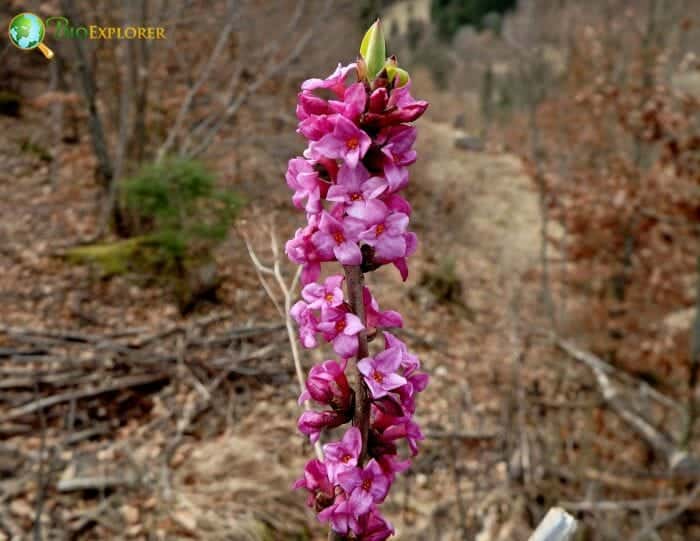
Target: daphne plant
x=348, y=182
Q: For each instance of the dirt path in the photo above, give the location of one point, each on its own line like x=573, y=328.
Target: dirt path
x=501, y=218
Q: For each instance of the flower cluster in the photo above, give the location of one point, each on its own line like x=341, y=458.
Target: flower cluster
x=348, y=182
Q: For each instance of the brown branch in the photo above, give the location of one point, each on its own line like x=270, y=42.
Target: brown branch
x=687, y=500
x=41, y=473
x=118, y=384
x=464, y=435
x=354, y=281
x=686, y=503
x=694, y=372
x=678, y=459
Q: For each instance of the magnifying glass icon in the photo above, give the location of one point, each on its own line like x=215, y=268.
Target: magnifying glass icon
x=27, y=32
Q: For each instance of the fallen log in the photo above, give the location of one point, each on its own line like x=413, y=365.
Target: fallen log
x=679, y=460
x=122, y=383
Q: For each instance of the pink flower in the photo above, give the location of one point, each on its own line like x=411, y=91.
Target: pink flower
x=341, y=515
x=407, y=109
x=397, y=203
x=353, y=104
x=376, y=318
x=397, y=144
x=373, y=527
x=400, y=107
x=315, y=127
x=328, y=385
x=380, y=372
x=396, y=176
x=409, y=362
x=302, y=250
x=391, y=465
x=323, y=297
x=399, y=428
x=398, y=152
x=388, y=238
x=378, y=100
x=315, y=480
x=308, y=105
x=346, y=141
x=342, y=456
x=366, y=486
x=334, y=82
x=304, y=180
x=359, y=193
x=406, y=394
x=400, y=263
x=336, y=239
x=307, y=322
x=341, y=328
x=312, y=423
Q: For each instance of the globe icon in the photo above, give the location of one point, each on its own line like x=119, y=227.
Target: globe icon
x=27, y=32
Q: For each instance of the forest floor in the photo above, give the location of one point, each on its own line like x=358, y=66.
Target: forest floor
x=184, y=454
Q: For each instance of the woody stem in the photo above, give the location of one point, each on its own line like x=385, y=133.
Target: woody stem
x=354, y=282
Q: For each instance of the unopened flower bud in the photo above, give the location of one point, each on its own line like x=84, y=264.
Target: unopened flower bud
x=373, y=50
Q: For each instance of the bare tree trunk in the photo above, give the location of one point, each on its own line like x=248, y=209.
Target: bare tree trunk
x=105, y=167
x=87, y=81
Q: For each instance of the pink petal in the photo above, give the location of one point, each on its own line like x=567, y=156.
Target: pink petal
x=365, y=366
x=353, y=325
x=350, y=480
x=388, y=361
x=345, y=346
x=360, y=501
x=353, y=440
x=396, y=223
x=348, y=253
x=390, y=318
x=393, y=381
x=388, y=248
x=401, y=265
x=334, y=281
x=324, y=243
x=370, y=212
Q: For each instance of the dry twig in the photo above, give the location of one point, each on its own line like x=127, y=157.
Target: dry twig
x=287, y=291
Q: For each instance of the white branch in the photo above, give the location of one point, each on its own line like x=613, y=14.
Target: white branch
x=287, y=295
x=557, y=525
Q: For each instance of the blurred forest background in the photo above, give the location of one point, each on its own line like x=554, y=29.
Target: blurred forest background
x=147, y=389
